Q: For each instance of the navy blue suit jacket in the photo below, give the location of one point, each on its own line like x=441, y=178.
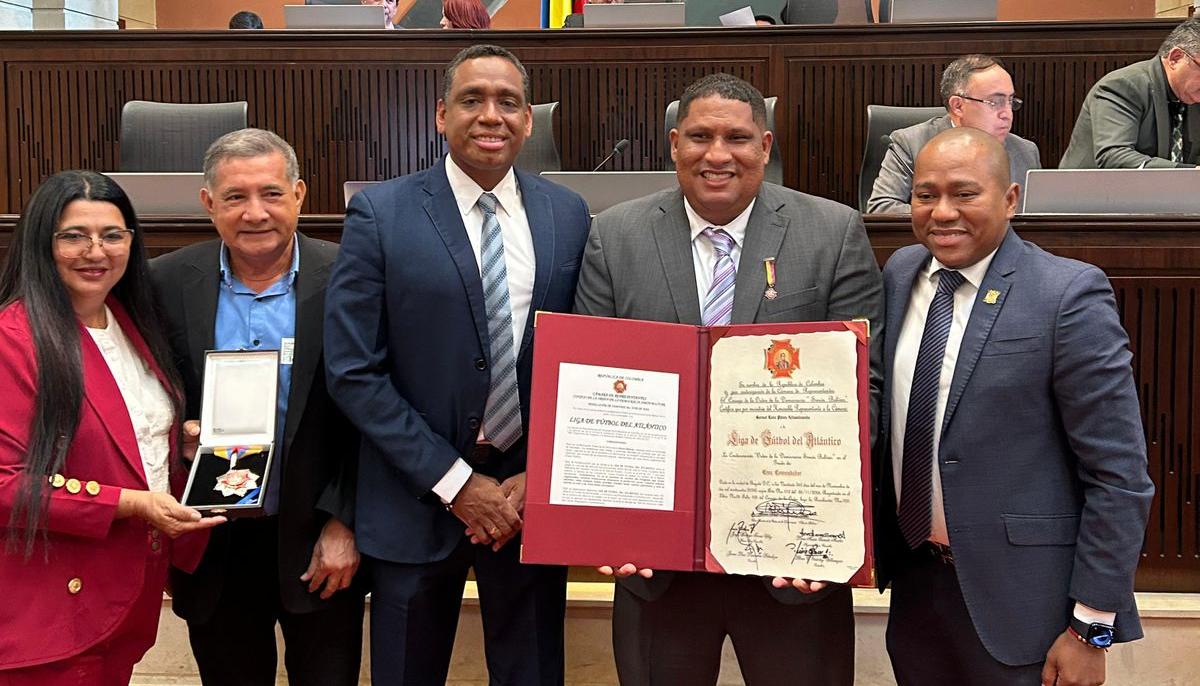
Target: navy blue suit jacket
x=1042, y=453
x=406, y=346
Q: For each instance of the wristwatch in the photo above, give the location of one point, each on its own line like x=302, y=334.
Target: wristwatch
x=1095, y=634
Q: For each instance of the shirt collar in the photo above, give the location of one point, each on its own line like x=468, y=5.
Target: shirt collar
x=973, y=274
x=736, y=228
x=467, y=192
x=227, y=272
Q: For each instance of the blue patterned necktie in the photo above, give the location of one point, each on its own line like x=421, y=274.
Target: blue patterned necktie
x=502, y=415
x=718, y=304
x=916, y=470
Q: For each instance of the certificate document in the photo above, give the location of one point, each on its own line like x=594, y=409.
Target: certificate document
x=785, y=467
x=616, y=443
x=731, y=450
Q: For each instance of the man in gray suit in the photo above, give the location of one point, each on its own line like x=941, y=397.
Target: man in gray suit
x=669, y=257
x=978, y=92
x=1146, y=115
x=1012, y=491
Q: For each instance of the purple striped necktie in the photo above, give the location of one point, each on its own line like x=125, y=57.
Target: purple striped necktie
x=718, y=304
x=916, y=468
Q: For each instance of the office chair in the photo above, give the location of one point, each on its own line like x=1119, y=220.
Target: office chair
x=170, y=137
x=540, y=152
x=882, y=120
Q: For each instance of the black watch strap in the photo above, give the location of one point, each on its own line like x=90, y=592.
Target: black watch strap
x=1093, y=634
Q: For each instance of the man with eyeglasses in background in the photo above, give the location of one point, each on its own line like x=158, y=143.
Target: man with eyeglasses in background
x=1144, y=115
x=978, y=92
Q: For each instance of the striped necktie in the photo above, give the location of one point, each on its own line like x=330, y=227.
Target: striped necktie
x=916, y=469
x=718, y=304
x=502, y=415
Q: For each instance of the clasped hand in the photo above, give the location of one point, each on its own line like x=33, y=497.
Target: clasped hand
x=491, y=510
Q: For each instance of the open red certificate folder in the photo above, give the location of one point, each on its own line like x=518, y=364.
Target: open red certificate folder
x=739, y=449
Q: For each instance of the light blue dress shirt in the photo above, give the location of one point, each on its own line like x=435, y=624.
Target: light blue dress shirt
x=261, y=321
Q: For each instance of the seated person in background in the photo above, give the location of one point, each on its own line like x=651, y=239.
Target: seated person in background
x=764, y=20
x=465, y=14
x=390, y=8
x=1143, y=115
x=245, y=20
x=977, y=92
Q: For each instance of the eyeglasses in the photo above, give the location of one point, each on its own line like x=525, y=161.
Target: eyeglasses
x=1193, y=59
x=1010, y=102
x=76, y=244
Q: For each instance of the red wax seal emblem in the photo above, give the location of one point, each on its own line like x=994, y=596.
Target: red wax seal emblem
x=782, y=358
x=619, y=386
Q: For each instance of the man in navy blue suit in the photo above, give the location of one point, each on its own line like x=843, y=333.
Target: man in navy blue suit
x=1013, y=491
x=429, y=321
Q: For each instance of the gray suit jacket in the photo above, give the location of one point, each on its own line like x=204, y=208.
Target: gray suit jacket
x=1042, y=453
x=1125, y=123
x=638, y=265
x=892, y=191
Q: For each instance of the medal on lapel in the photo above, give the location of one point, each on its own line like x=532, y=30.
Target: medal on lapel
x=236, y=481
x=769, y=266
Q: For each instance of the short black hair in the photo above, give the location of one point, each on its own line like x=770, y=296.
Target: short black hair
x=485, y=50
x=767, y=18
x=245, y=20
x=725, y=86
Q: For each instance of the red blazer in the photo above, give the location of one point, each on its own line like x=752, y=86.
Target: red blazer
x=75, y=591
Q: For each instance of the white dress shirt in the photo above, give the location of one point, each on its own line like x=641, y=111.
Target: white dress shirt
x=907, y=345
x=519, y=264
x=704, y=257
x=148, y=404
x=904, y=364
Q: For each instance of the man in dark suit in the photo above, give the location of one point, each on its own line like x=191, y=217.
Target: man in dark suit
x=978, y=92
x=664, y=258
x=428, y=336
x=261, y=286
x=1146, y=115
x=1011, y=432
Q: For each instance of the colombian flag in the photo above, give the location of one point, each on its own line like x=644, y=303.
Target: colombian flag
x=555, y=11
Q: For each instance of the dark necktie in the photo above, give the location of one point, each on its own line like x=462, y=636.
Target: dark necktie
x=916, y=469
x=1177, y=111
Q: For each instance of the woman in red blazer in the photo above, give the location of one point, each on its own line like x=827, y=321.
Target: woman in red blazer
x=89, y=443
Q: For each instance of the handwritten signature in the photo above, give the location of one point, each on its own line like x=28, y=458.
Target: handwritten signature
x=808, y=553
x=787, y=510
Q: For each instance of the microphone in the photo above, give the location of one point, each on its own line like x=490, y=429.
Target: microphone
x=621, y=146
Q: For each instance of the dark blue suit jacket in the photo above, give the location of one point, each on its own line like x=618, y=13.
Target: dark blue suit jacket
x=1042, y=453
x=406, y=346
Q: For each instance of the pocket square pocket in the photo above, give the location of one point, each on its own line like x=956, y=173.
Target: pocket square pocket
x=1060, y=529
x=790, y=301
x=1012, y=346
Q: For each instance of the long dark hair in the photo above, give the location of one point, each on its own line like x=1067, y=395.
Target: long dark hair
x=30, y=276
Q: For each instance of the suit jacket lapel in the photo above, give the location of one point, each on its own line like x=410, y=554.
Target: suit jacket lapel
x=896, y=296
x=310, y=310
x=1162, y=119
x=201, y=284
x=764, y=234
x=442, y=209
x=540, y=214
x=983, y=316
x=673, y=236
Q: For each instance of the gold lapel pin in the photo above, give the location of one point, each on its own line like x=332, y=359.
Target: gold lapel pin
x=992, y=297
